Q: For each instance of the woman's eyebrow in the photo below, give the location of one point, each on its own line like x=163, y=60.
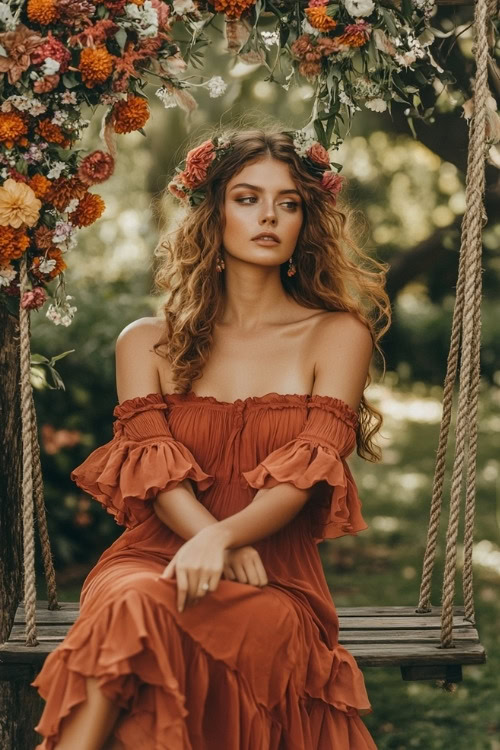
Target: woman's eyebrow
x=259, y=190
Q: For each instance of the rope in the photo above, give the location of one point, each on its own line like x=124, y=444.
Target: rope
x=466, y=321
x=27, y=442
x=48, y=565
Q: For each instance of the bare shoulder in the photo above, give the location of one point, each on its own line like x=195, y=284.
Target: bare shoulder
x=136, y=360
x=143, y=332
x=343, y=349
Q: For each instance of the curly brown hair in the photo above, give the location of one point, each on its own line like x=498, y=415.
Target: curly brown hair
x=333, y=271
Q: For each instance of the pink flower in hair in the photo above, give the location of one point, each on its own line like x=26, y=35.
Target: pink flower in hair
x=197, y=162
x=34, y=298
x=318, y=154
x=332, y=182
x=175, y=188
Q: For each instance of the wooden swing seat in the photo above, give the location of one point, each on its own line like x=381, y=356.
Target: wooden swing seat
x=375, y=636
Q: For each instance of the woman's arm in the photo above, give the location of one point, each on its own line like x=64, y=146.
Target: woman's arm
x=137, y=375
x=181, y=511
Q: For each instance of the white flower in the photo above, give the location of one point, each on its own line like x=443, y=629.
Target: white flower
x=216, y=86
x=359, y=8
x=308, y=29
x=7, y=274
x=56, y=170
x=407, y=59
x=61, y=313
x=303, y=140
x=377, y=105
x=183, y=6
x=72, y=206
x=166, y=97
x=50, y=66
x=270, y=38
x=47, y=265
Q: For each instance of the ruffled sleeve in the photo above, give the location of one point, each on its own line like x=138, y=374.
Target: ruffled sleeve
x=141, y=460
x=316, y=457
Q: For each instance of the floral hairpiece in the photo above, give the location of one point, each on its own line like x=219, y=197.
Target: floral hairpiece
x=192, y=172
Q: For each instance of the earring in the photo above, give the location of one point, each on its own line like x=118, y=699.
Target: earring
x=292, y=269
x=219, y=264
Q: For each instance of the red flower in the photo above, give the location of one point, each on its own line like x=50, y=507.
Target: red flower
x=197, y=163
x=332, y=182
x=318, y=154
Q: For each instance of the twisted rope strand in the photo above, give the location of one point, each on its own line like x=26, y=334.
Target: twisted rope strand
x=424, y=604
x=48, y=564
x=470, y=496
x=26, y=429
x=474, y=212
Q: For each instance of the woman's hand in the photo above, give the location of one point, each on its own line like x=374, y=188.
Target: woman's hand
x=203, y=559
x=244, y=564
x=198, y=563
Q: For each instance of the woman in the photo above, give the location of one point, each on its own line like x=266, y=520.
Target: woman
x=209, y=625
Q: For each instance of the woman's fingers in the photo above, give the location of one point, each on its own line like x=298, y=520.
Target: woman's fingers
x=260, y=572
x=182, y=587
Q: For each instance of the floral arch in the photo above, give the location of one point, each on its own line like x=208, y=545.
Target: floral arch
x=58, y=57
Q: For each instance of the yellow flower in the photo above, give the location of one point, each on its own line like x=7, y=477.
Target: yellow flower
x=18, y=204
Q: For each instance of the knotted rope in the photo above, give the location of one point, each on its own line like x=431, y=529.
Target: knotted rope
x=466, y=325
x=32, y=484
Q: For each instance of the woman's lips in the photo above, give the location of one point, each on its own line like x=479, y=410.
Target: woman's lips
x=266, y=243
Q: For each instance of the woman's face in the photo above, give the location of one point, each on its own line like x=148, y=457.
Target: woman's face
x=262, y=198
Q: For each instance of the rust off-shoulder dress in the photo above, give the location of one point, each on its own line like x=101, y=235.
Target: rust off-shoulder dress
x=249, y=668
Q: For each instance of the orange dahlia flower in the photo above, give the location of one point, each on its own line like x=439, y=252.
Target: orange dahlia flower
x=130, y=114
x=13, y=128
x=59, y=267
x=13, y=243
x=52, y=133
x=63, y=190
x=319, y=19
x=355, y=34
x=90, y=208
x=233, y=8
x=42, y=11
x=39, y=184
x=96, y=65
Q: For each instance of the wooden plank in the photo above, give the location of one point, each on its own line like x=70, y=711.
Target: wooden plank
x=55, y=632
x=376, y=611
x=375, y=636
x=45, y=617
x=381, y=655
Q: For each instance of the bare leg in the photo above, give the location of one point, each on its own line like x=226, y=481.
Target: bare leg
x=89, y=725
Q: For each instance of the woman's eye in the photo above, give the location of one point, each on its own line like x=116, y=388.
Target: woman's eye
x=291, y=205
x=246, y=198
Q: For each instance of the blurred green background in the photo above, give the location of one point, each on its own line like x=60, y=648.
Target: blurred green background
x=410, y=197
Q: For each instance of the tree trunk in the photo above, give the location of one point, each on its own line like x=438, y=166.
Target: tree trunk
x=10, y=473
x=19, y=703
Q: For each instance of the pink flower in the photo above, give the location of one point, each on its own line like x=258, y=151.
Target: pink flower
x=332, y=182
x=197, y=163
x=318, y=154
x=176, y=190
x=34, y=298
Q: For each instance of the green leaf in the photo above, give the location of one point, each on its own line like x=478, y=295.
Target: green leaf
x=63, y=354
x=121, y=38
x=70, y=80
x=412, y=127
x=373, y=56
x=389, y=22
x=407, y=9
x=37, y=359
